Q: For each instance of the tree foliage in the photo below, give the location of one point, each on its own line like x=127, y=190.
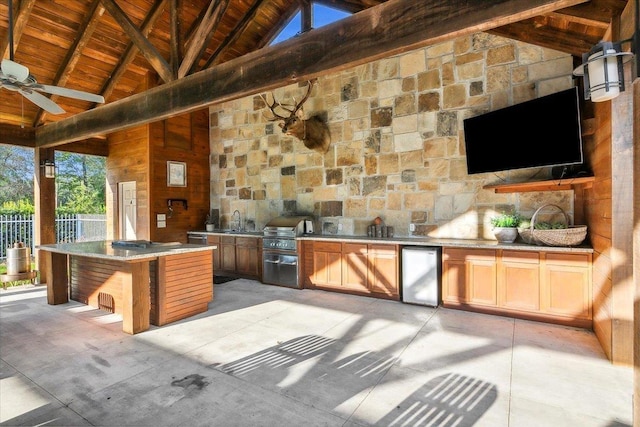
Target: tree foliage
x=16, y=174
x=20, y=207
x=80, y=182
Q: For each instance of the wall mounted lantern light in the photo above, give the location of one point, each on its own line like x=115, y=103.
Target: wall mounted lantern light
x=49, y=168
x=602, y=71
x=602, y=66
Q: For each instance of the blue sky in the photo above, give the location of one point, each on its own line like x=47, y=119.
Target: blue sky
x=322, y=15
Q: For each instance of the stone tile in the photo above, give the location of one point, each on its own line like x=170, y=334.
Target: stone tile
x=408, y=397
x=269, y=355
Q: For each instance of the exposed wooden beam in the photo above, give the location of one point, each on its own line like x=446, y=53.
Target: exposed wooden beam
x=75, y=50
x=284, y=20
x=17, y=135
x=92, y=146
x=203, y=35
x=174, y=36
x=525, y=31
x=589, y=22
x=388, y=29
x=306, y=15
x=349, y=6
x=156, y=60
x=132, y=50
x=20, y=21
x=602, y=11
x=235, y=33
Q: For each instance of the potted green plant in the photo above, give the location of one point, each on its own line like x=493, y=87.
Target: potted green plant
x=505, y=226
x=210, y=223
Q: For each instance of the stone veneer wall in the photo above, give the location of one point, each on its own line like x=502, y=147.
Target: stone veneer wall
x=397, y=147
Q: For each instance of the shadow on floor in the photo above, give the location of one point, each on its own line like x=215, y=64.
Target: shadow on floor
x=217, y=280
x=447, y=400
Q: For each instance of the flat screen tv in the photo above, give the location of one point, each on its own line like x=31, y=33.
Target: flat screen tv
x=537, y=133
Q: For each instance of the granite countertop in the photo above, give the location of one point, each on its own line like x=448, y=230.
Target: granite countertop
x=228, y=233
x=418, y=241
x=461, y=243
x=103, y=249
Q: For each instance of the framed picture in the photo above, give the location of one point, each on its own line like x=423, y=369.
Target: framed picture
x=176, y=174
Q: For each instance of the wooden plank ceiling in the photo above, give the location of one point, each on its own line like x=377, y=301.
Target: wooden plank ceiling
x=106, y=46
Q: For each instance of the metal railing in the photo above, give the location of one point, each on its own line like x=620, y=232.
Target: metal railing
x=69, y=228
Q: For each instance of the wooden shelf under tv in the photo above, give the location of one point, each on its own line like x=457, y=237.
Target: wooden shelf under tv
x=547, y=185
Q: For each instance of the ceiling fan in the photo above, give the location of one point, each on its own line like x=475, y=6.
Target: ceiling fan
x=16, y=77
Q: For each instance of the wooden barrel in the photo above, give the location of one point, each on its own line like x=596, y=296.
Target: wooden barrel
x=18, y=260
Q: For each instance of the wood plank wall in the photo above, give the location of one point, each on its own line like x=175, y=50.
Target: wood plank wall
x=97, y=282
x=598, y=212
x=185, y=286
x=128, y=161
x=607, y=210
x=140, y=154
x=183, y=139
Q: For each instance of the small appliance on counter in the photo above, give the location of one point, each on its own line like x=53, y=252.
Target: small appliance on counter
x=308, y=226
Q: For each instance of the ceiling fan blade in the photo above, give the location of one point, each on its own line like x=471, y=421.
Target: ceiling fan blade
x=14, y=70
x=69, y=93
x=42, y=101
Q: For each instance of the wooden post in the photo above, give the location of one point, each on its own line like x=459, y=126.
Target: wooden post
x=45, y=205
x=636, y=243
x=57, y=278
x=135, y=298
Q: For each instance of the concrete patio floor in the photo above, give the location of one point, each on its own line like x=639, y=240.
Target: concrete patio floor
x=270, y=356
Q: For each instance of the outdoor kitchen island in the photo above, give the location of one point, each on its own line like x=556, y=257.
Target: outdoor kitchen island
x=146, y=282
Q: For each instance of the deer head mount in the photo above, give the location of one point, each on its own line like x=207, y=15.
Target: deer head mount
x=313, y=132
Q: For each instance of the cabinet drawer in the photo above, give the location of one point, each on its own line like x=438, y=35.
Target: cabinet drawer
x=391, y=250
x=469, y=254
x=350, y=248
x=250, y=242
x=327, y=246
x=229, y=240
x=567, y=259
x=521, y=256
x=213, y=240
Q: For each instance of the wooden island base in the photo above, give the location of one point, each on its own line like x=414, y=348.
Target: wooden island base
x=146, y=290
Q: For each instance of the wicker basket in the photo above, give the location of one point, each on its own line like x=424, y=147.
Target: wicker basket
x=571, y=236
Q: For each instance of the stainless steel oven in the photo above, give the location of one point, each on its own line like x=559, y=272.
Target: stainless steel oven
x=280, y=258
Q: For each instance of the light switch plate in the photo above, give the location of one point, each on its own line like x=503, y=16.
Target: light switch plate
x=161, y=217
x=162, y=224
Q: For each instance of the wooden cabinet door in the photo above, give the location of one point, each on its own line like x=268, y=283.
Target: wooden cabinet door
x=519, y=280
x=383, y=269
x=247, y=256
x=228, y=253
x=481, y=282
x=482, y=277
x=454, y=276
x=327, y=264
x=469, y=276
x=566, y=289
x=215, y=240
x=308, y=274
x=355, y=267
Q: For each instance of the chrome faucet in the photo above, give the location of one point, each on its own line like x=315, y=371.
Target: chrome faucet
x=238, y=221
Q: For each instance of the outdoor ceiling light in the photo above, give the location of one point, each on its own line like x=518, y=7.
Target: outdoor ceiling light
x=49, y=169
